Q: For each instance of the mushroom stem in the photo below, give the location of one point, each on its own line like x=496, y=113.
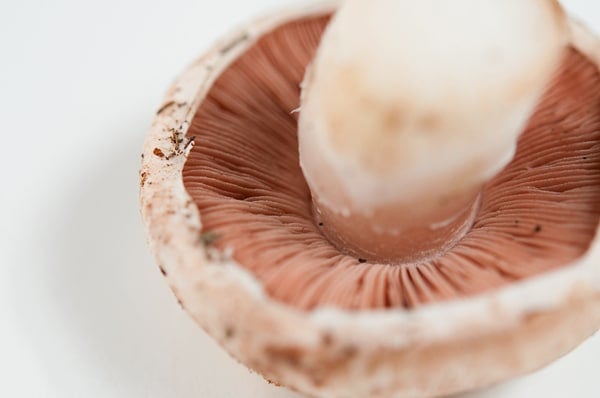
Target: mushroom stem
x=410, y=107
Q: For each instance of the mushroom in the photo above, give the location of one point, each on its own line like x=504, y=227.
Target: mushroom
x=440, y=233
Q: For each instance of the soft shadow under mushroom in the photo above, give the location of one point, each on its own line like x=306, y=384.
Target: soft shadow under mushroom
x=105, y=310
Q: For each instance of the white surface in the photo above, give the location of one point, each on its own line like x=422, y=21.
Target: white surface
x=83, y=310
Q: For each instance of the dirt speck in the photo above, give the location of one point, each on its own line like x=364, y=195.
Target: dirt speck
x=208, y=238
x=158, y=152
x=164, y=107
x=289, y=355
x=143, y=178
x=229, y=332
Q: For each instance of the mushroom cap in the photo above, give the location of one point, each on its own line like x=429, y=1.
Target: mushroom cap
x=438, y=349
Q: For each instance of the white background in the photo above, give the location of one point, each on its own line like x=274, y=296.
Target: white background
x=83, y=310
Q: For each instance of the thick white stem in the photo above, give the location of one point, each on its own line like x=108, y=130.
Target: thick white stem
x=410, y=106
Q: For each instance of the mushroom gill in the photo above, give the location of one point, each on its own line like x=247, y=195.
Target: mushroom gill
x=538, y=214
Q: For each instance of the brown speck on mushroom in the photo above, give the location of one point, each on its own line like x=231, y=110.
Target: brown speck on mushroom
x=143, y=178
x=158, y=152
x=189, y=142
x=165, y=106
x=229, y=332
x=208, y=238
x=176, y=139
x=289, y=355
x=273, y=383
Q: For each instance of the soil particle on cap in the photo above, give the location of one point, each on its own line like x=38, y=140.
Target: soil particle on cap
x=143, y=178
x=158, y=152
x=162, y=270
x=229, y=332
x=208, y=238
x=169, y=105
x=164, y=107
x=273, y=383
x=537, y=229
x=190, y=141
x=176, y=140
x=289, y=355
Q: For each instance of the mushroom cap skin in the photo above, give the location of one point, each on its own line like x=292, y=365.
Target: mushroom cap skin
x=439, y=349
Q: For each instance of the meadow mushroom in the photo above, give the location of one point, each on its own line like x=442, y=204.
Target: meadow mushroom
x=319, y=278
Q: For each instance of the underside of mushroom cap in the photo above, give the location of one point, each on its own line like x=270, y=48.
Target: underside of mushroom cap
x=527, y=317
x=540, y=213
